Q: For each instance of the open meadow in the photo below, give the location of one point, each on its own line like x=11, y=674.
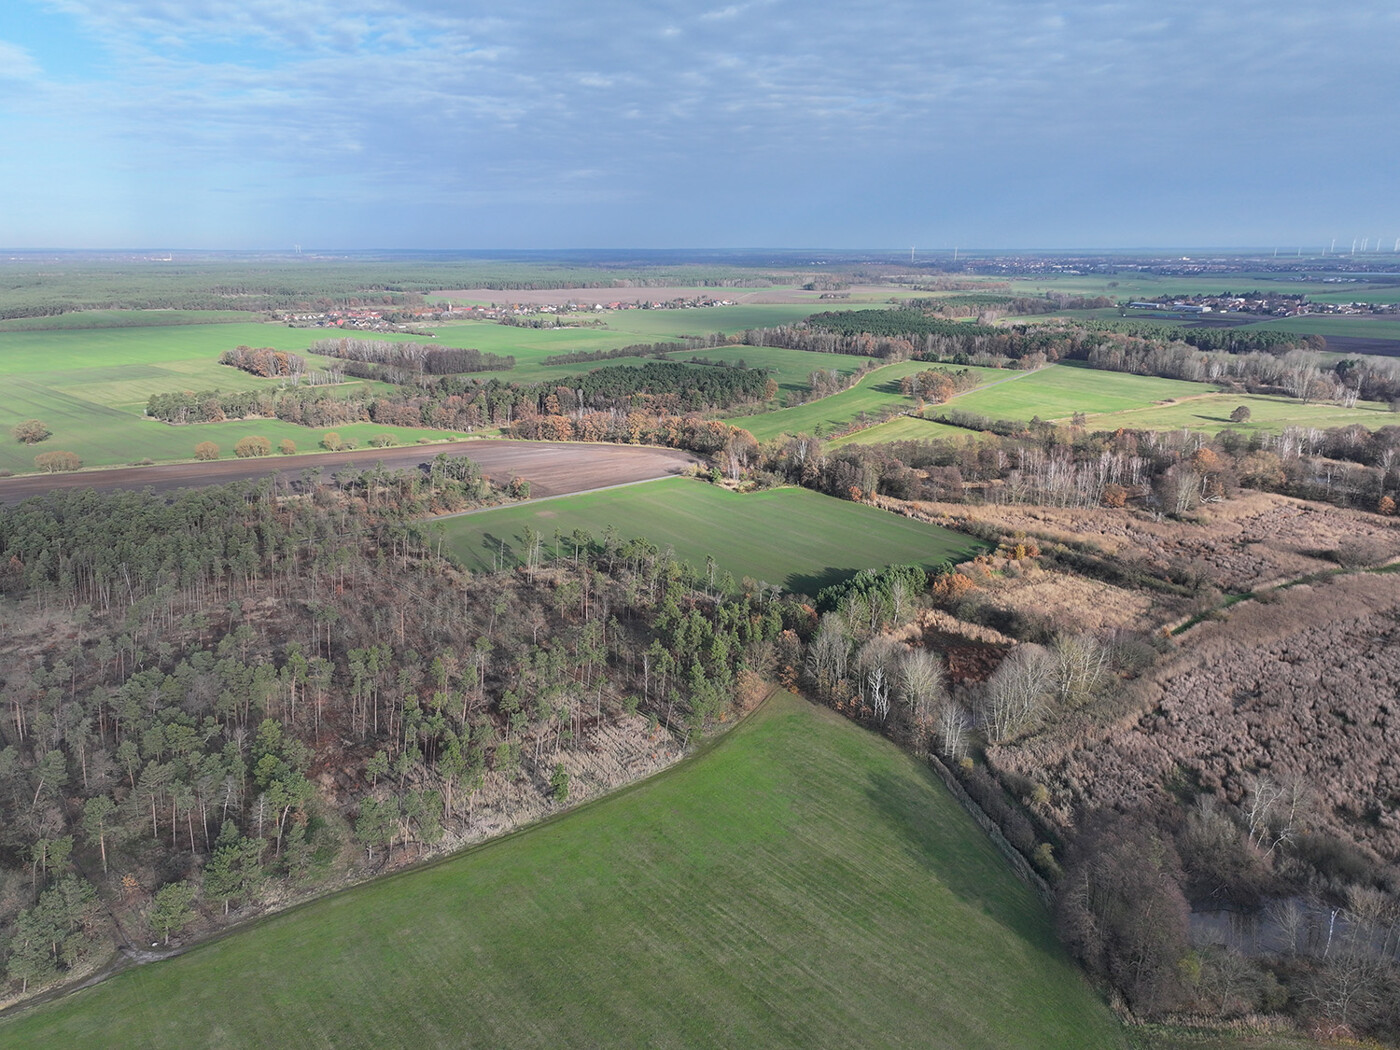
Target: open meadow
x=794, y=537
x=875, y=392
x=905, y=428
x=801, y=883
x=1059, y=391
x=90, y=386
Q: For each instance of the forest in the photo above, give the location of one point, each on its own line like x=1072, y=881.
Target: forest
x=210, y=705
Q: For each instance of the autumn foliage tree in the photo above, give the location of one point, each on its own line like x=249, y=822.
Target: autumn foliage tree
x=30, y=432
x=206, y=450
x=252, y=446
x=53, y=462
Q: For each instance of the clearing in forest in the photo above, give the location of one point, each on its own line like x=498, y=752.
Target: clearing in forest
x=802, y=883
x=790, y=536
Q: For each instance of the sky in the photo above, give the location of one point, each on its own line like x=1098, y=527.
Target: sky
x=445, y=124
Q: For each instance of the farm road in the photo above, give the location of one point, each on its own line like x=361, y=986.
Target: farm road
x=552, y=468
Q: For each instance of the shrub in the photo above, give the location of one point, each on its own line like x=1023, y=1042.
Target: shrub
x=30, y=432
x=382, y=440
x=1240, y=415
x=288, y=447
x=53, y=462
x=252, y=446
x=332, y=441
x=206, y=450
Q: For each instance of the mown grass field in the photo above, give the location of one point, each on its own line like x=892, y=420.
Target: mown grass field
x=795, y=537
x=876, y=391
x=800, y=884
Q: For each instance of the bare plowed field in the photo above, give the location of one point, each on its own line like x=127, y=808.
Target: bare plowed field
x=553, y=469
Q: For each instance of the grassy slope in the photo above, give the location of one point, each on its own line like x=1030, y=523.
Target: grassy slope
x=801, y=539
x=801, y=884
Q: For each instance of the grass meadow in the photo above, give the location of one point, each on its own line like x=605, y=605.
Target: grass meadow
x=1271, y=414
x=1323, y=325
x=90, y=386
x=876, y=391
x=905, y=428
x=1059, y=391
x=801, y=883
x=794, y=537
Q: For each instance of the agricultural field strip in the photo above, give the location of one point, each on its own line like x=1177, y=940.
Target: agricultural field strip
x=554, y=469
x=769, y=892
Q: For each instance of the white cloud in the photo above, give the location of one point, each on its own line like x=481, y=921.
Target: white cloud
x=17, y=64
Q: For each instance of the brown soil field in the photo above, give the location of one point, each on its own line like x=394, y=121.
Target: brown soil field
x=552, y=468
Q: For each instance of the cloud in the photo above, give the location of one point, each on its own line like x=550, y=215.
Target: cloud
x=387, y=100
x=17, y=64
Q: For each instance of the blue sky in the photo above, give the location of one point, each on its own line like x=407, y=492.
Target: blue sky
x=535, y=124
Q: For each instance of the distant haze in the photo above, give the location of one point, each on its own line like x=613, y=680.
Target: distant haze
x=442, y=124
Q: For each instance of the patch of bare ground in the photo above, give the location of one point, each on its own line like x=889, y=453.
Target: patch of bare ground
x=1302, y=687
x=610, y=754
x=1073, y=603
x=1248, y=541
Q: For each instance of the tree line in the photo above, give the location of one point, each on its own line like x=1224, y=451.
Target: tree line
x=403, y=362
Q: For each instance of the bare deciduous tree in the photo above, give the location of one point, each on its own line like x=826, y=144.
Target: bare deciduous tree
x=1015, y=694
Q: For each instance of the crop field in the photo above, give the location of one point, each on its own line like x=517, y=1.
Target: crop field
x=1146, y=286
x=1058, y=391
x=91, y=388
x=876, y=391
x=801, y=883
x=794, y=537
x=791, y=369
x=1272, y=414
x=89, y=319
x=1321, y=324
x=905, y=428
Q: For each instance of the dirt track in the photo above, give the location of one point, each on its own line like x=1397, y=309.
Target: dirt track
x=552, y=468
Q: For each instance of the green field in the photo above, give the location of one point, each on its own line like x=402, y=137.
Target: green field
x=795, y=537
x=91, y=388
x=1058, y=391
x=89, y=319
x=802, y=883
x=876, y=391
x=530, y=346
x=906, y=428
x=91, y=385
x=791, y=369
x=1270, y=414
x=1321, y=324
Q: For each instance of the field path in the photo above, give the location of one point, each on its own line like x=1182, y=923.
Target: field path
x=552, y=468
